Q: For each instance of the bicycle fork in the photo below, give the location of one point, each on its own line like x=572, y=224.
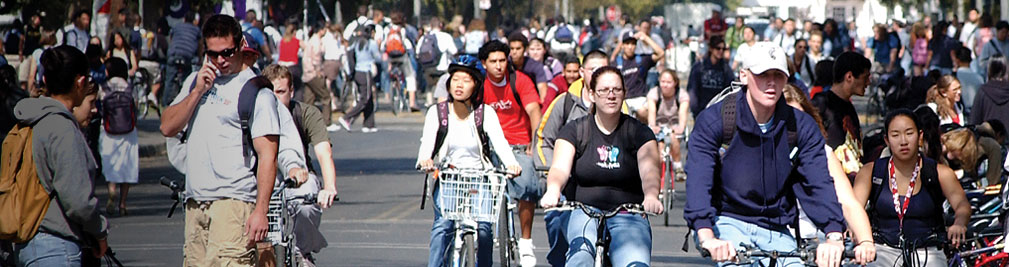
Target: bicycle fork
x=602, y=242
x=463, y=228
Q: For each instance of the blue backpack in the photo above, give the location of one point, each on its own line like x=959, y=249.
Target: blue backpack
x=564, y=34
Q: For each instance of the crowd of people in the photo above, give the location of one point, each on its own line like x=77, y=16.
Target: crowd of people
x=765, y=114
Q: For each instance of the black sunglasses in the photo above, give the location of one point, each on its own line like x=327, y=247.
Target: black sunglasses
x=223, y=53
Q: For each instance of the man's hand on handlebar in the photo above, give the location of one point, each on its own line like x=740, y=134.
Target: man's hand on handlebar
x=299, y=175
x=326, y=196
x=829, y=253
x=720, y=250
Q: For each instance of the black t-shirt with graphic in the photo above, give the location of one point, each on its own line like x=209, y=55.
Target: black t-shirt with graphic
x=606, y=175
x=635, y=72
x=844, y=132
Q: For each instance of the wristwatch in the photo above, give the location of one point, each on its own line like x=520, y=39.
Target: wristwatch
x=835, y=236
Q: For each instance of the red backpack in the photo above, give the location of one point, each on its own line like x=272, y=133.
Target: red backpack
x=394, y=43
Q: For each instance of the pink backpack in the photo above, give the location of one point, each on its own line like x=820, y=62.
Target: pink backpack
x=919, y=53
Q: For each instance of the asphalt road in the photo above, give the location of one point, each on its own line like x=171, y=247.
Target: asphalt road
x=377, y=222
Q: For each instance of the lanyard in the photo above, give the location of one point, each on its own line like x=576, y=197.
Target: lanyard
x=902, y=209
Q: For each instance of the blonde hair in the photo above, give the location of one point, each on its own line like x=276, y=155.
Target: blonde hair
x=963, y=141
x=937, y=95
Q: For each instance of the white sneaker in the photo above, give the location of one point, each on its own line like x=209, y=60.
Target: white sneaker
x=527, y=258
x=344, y=123
x=153, y=99
x=333, y=127
x=369, y=130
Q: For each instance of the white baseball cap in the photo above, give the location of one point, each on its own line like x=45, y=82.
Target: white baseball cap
x=765, y=56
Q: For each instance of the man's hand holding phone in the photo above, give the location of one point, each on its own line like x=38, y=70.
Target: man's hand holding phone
x=206, y=76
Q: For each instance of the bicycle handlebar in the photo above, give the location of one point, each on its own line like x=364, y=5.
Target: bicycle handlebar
x=591, y=211
x=745, y=254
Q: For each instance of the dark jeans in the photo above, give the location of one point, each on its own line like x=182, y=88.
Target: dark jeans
x=317, y=91
x=365, y=103
x=176, y=66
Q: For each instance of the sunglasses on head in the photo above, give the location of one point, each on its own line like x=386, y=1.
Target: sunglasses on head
x=223, y=53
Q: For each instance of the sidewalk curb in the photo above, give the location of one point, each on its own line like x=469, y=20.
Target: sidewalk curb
x=151, y=150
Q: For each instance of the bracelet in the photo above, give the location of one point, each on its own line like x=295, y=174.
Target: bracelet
x=864, y=241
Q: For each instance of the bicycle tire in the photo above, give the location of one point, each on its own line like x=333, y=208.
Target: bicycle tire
x=280, y=255
x=396, y=95
x=504, y=237
x=600, y=258
x=468, y=250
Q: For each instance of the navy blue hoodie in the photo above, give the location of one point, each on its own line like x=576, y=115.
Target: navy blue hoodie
x=754, y=184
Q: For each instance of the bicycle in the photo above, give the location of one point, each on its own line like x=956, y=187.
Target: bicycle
x=668, y=174
x=469, y=197
x=141, y=84
x=279, y=215
x=397, y=86
x=348, y=91
x=747, y=255
x=603, y=235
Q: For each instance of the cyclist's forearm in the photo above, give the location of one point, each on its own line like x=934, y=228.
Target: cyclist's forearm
x=324, y=152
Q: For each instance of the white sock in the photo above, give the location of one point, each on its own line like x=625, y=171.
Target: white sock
x=677, y=164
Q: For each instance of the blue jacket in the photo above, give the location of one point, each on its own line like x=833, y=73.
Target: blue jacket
x=753, y=184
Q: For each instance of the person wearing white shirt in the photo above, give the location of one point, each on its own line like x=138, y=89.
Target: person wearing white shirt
x=749, y=39
x=786, y=39
x=969, y=26
x=445, y=45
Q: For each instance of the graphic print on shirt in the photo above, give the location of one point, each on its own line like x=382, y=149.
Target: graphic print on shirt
x=502, y=105
x=850, y=152
x=609, y=157
x=212, y=98
x=712, y=79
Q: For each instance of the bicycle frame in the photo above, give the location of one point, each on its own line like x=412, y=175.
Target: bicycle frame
x=602, y=234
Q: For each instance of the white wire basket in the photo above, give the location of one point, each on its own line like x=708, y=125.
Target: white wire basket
x=470, y=194
x=275, y=217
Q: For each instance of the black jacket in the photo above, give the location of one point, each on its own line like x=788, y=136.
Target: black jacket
x=991, y=102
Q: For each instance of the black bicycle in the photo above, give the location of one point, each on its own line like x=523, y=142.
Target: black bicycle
x=748, y=255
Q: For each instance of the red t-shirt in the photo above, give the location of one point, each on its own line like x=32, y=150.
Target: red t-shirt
x=556, y=87
x=289, y=50
x=514, y=119
x=714, y=25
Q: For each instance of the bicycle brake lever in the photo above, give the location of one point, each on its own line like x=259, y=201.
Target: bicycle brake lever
x=172, y=210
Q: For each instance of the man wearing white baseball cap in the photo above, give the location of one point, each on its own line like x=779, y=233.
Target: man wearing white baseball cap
x=743, y=150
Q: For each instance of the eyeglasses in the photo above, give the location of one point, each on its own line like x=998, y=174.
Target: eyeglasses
x=223, y=53
x=718, y=48
x=606, y=91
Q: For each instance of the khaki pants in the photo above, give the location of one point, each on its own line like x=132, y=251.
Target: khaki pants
x=215, y=233
x=316, y=90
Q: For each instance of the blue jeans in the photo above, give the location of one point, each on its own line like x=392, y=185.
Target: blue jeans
x=48, y=250
x=740, y=232
x=557, y=223
x=443, y=232
x=525, y=187
x=630, y=240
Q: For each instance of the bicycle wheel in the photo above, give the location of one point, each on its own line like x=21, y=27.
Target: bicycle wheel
x=396, y=95
x=504, y=241
x=468, y=250
x=667, y=193
x=280, y=255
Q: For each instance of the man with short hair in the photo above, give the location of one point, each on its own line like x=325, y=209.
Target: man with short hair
x=709, y=76
x=560, y=83
x=634, y=68
x=519, y=118
x=840, y=119
x=883, y=48
x=182, y=51
x=786, y=39
x=518, y=44
x=229, y=180
x=78, y=35
x=970, y=81
x=715, y=26
x=643, y=48
x=576, y=105
x=734, y=36
x=773, y=29
x=251, y=25
x=995, y=46
x=745, y=196
x=969, y=27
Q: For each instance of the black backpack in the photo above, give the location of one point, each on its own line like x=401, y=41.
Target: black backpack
x=443, y=118
x=429, y=53
x=119, y=112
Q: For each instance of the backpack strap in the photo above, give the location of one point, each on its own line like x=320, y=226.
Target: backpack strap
x=512, y=77
x=478, y=119
x=728, y=119
x=584, y=127
x=569, y=103
x=442, y=127
x=930, y=173
x=246, y=106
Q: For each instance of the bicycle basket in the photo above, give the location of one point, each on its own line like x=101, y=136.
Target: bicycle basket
x=470, y=194
x=275, y=217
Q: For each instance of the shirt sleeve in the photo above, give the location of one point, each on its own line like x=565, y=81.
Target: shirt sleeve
x=700, y=168
x=824, y=212
x=568, y=132
x=428, y=134
x=315, y=128
x=69, y=174
x=542, y=76
x=265, y=120
x=547, y=132
x=653, y=94
x=492, y=127
x=642, y=134
x=526, y=89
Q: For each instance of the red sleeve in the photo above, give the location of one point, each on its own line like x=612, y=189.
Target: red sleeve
x=527, y=89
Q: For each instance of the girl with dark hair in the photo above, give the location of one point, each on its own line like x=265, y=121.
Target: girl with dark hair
x=64, y=164
x=119, y=152
x=669, y=108
x=539, y=51
x=618, y=164
x=939, y=47
x=904, y=230
x=462, y=149
x=367, y=56
x=119, y=47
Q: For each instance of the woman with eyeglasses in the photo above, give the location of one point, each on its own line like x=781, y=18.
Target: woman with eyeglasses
x=611, y=159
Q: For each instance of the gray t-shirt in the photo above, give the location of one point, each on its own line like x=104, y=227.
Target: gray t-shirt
x=215, y=166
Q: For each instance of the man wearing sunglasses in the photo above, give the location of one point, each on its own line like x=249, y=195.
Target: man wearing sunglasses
x=709, y=76
x=228, y=187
